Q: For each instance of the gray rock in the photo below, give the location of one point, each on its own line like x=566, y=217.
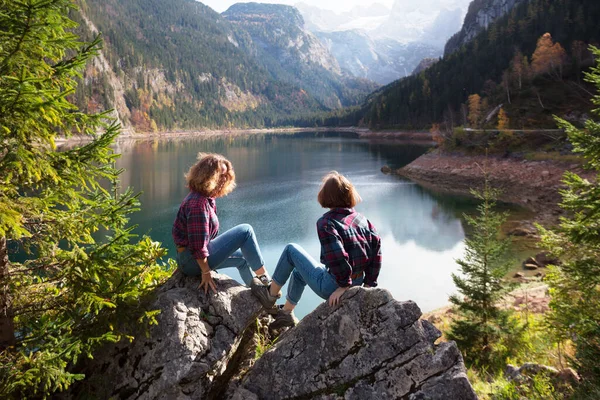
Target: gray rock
x=482, y=13
x=186, y=355
x=371, y=346
x=544, y=259
x=530, y=266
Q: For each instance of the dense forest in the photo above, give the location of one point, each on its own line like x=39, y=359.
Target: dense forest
x=485, y=66
x=182, y=65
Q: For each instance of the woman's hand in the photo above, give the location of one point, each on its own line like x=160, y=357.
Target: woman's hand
x=334, y=299
x=207, y=282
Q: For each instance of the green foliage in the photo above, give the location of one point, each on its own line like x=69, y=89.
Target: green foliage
x=537, y=346
x=537, y=387
x=486, y=334
x=264, y=342
x=179, y=62
x=79, y=275
x=482, y=63
x=575, y=284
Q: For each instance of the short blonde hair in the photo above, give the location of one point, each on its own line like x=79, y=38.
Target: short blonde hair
x=337, y=192
x=211, y=176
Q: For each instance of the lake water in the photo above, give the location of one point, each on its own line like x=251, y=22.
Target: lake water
x=278, y=179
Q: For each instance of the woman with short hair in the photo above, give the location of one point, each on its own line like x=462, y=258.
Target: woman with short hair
x=200, y=248
x=350, y=255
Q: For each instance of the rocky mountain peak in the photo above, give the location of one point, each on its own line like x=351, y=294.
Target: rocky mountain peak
x=280, y=30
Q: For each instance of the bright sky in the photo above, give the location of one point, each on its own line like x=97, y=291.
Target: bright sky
x=336, y=5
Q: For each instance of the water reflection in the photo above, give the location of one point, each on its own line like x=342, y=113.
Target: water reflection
x=278, y=179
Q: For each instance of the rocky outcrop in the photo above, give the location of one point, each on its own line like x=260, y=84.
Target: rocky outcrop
x=370, y=347
x=281, y=29
x=481, y=14
x=121, y=112
x=424, y=64
x=294, y=55
x=186, y=356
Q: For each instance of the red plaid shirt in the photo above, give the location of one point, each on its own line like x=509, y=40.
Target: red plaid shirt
x=196, y=224
x=349, y=245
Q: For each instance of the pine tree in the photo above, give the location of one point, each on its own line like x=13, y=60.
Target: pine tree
x=575, y=284
x=81, y=273
x=481, y=326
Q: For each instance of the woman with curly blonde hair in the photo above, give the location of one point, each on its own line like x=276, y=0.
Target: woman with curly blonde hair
x=200, y=248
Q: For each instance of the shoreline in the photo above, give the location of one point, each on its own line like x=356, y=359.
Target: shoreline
x=534, y=185
x=416, y=136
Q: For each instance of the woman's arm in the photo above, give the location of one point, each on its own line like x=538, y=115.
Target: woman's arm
x=372, y=271
x=333, y=253
x=198, y=230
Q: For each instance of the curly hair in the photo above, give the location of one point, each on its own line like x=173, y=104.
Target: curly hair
x=337, y=192
x=211, y=176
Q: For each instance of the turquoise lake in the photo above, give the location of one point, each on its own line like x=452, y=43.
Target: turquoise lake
x=278, y=178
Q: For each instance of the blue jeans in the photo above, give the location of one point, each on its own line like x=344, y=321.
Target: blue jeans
x=304, y=270
x=235, y=248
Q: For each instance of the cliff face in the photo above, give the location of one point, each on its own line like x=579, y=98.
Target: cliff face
x=481, y=14
x=294, y=55
x=280, y=30
x=380, y=60
x=371, y=346
x=424, y=64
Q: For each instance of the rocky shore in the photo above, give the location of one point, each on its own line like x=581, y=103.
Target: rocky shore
x=534, y=185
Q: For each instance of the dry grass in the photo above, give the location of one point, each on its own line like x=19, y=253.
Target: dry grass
x=555, y=156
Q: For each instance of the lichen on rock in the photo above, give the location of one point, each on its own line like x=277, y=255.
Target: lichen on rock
x=371, y=346
x=184, y=356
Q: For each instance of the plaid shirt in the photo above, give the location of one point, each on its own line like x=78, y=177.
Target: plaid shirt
x=349, y=245
x=196, y=224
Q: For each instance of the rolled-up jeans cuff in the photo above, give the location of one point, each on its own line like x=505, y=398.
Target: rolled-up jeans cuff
x=276, y=282
x=262, y=264
x=295, y=303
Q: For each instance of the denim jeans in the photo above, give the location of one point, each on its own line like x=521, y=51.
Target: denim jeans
x=304, y=270
x=235, y=248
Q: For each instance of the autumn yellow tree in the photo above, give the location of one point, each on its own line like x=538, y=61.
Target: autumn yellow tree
x=474, y=110
x=503, y=121
x=549, y=57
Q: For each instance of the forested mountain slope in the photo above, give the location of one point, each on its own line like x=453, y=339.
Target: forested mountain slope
x=178, y=64
x=499, y=65
x=481, y=14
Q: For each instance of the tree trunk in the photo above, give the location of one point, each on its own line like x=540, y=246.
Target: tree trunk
x=540, y=99
x=7, y=325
